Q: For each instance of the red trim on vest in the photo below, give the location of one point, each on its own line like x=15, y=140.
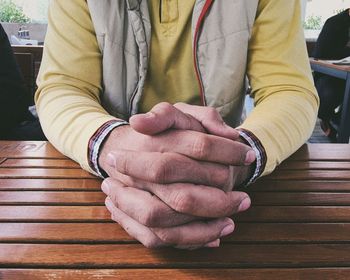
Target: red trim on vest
x=205, y=10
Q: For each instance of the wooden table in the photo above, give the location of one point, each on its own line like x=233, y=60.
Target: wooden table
x=341, y=72
x=53, y=224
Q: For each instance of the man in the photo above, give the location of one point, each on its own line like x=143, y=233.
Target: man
x=171, y=169
x=332, y=43
x=16, y=121
x=14, y=98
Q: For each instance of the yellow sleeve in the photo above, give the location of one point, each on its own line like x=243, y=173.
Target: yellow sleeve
x=286, y=101
x=69, y=81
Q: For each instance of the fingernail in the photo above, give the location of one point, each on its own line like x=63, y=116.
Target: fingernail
x=250, y=157
x=105, y=188
x=227, y=230
x=245, y=204
x=108, y=203
x=110, y=160
x=213, y=244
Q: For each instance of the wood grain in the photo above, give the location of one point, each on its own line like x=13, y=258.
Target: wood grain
x=181, y=274
x=275, y=186
x=113, y=233
x=314, y=165
x=291, y=214
x=27, y=184
x=328, y=152
x=100, y=214
x=51, y=198
x=54, y=214
x=299, y=198
x=97, y=198
x=54, y=225
x=44, y=173
x=40, y=162
x=28, y=149
x=311, y=175
x=137, y=256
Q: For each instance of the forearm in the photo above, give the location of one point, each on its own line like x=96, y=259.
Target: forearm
x=283, y=122
x=279, y=72
x=69, y=81
x=69, y=119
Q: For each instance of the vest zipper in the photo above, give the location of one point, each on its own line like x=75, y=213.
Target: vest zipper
x=204, y=11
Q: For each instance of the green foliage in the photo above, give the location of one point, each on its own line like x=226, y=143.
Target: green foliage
x=10, y=12
x=335, y=12
x=313, y=22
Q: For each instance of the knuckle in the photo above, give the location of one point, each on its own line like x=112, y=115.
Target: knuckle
x=165, y=236
x=149, y=217
x=179, y=104
x=182, y=201
x=164, y=107
x=159, y=170
x=123, y=164
x=213, y=113
x=201, y=147
x=220, y=176
x=229, y=205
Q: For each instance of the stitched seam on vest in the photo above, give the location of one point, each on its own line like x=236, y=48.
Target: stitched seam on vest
x=223, y=36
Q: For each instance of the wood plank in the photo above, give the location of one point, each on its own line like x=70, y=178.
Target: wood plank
x=310, y=175
x=113, y=233
x=98, y=198
x=329, y=152
x=51, y=198
x=52, y=173
x=320, y=165
x=54, y=214
x=299, y=199
x=137, y=256
x=293, y=214
x=264, y=184
x=2, y=160
x=28, y=149
x=327, y=214
x=63, y=233
x=39, y=162
x=185, y=274
x=50, y=184
x=290, y=233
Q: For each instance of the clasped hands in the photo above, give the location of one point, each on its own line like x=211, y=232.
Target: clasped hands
x=171, y=176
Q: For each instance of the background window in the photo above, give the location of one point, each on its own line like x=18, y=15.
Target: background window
x=317, y=12
x=25, y=21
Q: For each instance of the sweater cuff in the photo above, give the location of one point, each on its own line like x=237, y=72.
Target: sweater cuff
x=95, y=144
x=260, y=153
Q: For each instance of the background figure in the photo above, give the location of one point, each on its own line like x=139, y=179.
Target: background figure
x=16, y=121
x=332, y=43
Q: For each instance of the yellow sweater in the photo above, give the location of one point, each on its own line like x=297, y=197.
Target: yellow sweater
x=70, y=82
x=171, y=76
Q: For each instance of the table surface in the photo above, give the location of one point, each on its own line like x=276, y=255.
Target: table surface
x=331, y=65
x=53, y=224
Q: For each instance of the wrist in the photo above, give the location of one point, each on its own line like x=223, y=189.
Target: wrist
x=105, y=145
x=111, y=142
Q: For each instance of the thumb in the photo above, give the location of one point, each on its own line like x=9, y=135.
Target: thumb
x=210, y=119
x=162, y=117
